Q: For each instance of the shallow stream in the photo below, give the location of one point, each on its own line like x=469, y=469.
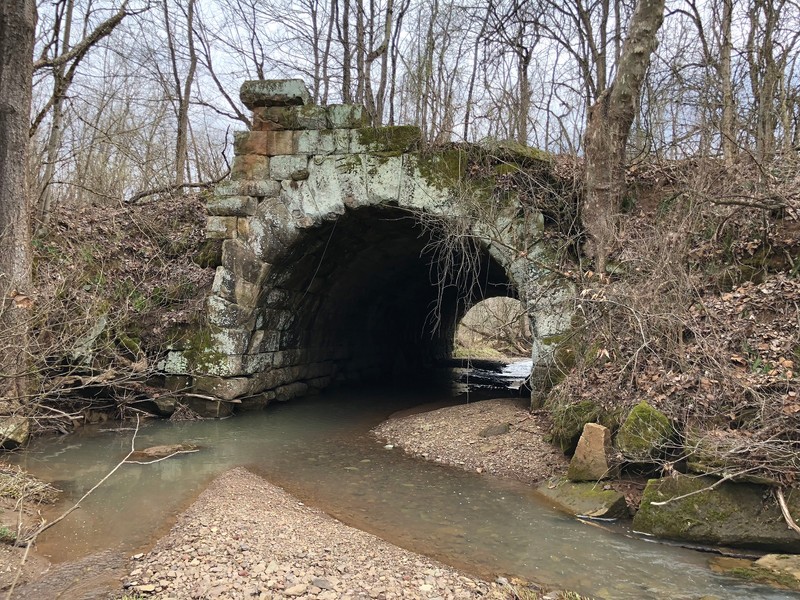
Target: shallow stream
x=319, y=449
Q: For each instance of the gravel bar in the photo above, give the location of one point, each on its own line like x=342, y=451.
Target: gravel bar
x=244, y=538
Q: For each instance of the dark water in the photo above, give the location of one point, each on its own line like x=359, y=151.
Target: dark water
x=319, y=449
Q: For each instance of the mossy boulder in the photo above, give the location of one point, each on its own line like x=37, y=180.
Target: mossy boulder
x=584, y=499
x=568, y=421
x=644, y=433
x=741, y=515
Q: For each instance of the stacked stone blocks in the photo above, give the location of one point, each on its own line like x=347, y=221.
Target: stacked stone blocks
x=299, y=166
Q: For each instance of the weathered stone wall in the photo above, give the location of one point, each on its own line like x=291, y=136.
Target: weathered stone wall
x=324, y=276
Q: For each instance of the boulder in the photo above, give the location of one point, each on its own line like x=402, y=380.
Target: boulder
x=644, y=434
x=14, y=431
x=592, y=460
x=584, y=499
x=742, y=515
x=568, y=422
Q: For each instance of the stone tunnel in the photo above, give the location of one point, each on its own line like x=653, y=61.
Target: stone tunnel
x=345, y=258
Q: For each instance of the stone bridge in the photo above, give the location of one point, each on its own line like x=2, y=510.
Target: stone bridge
x=349, y=253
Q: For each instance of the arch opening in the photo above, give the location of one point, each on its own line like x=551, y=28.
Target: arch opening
x=496, y=328
x=359, y=298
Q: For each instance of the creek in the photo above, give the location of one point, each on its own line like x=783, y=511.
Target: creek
x=319, y=448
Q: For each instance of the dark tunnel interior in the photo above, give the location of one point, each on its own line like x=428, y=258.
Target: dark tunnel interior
x=363, y=292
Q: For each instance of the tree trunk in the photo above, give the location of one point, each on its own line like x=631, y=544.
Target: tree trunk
x=184, y=96
x=17, y=27
x=609, y=123
x=60, y=86
x=728, y=101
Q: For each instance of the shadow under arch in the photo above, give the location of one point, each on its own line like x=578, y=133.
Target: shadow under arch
x=364, y=295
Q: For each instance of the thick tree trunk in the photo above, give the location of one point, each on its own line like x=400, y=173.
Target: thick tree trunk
x=17, y=26
x=609, y=123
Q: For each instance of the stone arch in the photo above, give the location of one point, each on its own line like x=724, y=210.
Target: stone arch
x=324, y=274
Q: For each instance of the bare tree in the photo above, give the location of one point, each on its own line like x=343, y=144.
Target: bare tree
x=17, y=30
x=610, y=120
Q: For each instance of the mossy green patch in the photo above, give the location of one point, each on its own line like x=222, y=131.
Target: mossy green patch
x=442, y=169
x=391, y=138
x=586, y=499
x=515, y=153
x=568, y=421
x=645, y=433
x=200, y=352
x=704, y=511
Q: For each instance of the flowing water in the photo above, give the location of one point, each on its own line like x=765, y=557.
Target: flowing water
x=319, y=448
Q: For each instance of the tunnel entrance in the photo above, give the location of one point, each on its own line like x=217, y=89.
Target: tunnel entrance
x=327, y=274
x=364, y=296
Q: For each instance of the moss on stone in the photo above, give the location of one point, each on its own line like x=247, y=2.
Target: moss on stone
x=520, y=154
x=568, y=422
x=200, y=352
x=442, y=169
x=387, y=139
x=730, y=514
x=585, y=499
x=209, y=255
x=644, y=433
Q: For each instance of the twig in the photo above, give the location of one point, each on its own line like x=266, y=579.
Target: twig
x=45, y=526
x=19, y=570
x=174, y=188
x=705, y=489
x=155, y=460
x=787, y=516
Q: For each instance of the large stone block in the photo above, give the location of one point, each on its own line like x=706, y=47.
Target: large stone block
x=250, y=142
x=240, y=260
x=293, y=390
x=250, y=166
x=384, y=178
x=208, y=409
x=741, y=515
x=225, y=388
x=585, y=499
x=274, y=92
x=224, y=284
x=645, y=434
x=394, y=138
x=230, y=341
x=592, y=460
x=288, y=167
x=223, y=313
x=348, y=116
x=276, y=118
x=280, y=143
x=246, y=293
x=231, y=206
x=218, y=228
x=255, y=363
x=14, y=431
